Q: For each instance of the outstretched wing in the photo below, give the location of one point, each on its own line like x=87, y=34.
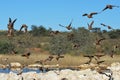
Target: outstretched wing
x=69, y=26
x=21, y=28
x=101, y=40
x=93, y=13
x=14, y=21
x=105, y=8
x=10, y=20
x=91, y=23
x=85, y=14
x=90, y=26
x=103, y=24
x=61, y=25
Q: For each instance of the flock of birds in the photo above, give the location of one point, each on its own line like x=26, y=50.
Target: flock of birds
x=68, y=27
x=70, y=36
x=90, y=27
x=90, y=15
x=11, y=27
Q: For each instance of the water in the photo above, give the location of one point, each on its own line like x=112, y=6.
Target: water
x=24, y=70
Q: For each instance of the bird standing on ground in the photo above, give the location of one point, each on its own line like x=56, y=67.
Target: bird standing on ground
x=90, y=15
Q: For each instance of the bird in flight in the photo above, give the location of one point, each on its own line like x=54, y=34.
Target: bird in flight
x=99, y=62
x=25, y=28
x=90, y=58
x=99, y=55
x=109, y=27
x=26, y=55
x=99, y=40
x=108, y=75
x=69, y=27
x=109, y=7
x=10, y=26
x=49, y=58
x=90, y=25
x=59, y=56
x=113, y=51
x=90, y=15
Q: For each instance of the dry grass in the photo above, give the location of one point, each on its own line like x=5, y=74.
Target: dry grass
x=67, y=61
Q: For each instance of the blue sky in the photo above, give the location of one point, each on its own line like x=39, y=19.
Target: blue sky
x=50, y=13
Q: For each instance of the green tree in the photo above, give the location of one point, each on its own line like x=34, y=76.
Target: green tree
x=39, y=31
x=114, y=34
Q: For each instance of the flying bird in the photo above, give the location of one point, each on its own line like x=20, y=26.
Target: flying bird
x=99, y=40
x=76, y=45
x=25, y=28
x=109, y=27
x=99, y=62
x=90, y=15
x=20, y=72
x=40, y=62
x=10, y=26
x=90, y=58
x=49, y=58
x=90, y=25
x=99, y=55
x=13, y=51
x=109, y=7
x=26, y=55
x=59, y=56
x=109, y=75
x=69, y=26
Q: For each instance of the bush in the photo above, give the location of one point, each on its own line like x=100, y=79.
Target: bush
x=5, y=47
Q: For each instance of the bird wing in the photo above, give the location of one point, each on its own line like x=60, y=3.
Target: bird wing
x=61, y=25
x=70, y=23
x=85, y=14
x=21, y=28
x=115, y=6
x=109, y=27
x=105, y=8
x=101, y=40
x=90, y=25
x=14, y=21
x=10, y=20
x=93, y=13
x=104, y=74
x=103, y=24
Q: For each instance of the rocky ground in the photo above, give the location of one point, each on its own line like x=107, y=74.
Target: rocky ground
x=112, y=72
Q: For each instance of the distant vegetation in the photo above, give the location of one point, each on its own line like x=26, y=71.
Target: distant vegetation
x=75, y=42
